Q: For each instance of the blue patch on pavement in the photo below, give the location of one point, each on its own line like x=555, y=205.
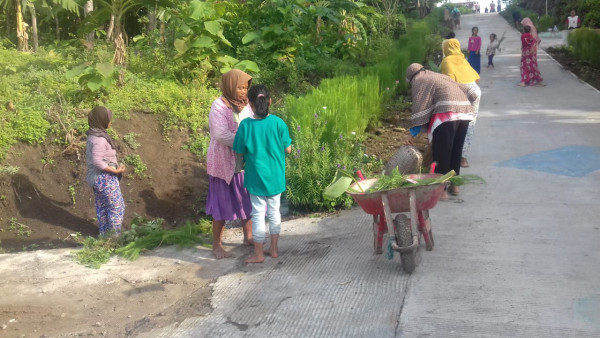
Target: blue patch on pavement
x=573, y=161
x=588, y=308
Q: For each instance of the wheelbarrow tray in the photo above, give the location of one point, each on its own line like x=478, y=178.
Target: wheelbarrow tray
x=427, y=196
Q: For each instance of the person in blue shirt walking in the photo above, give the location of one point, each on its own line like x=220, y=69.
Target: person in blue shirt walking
x=263, y=141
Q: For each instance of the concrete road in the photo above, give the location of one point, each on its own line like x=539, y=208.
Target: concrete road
x=517, y=256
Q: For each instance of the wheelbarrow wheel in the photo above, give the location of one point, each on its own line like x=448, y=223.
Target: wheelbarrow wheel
x=404, y=237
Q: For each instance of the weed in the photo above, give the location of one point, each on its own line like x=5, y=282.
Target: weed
x=30, y=247
x=95, y=251
x=131, y=140
x=20, y=229
x=72, y=189
x=47, y=161
x=139, y=167
x=9, y=170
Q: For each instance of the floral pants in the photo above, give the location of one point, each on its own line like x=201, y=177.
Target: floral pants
x=110, y=206
x=471, y=130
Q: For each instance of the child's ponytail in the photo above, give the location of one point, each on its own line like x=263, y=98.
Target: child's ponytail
x=260, y=98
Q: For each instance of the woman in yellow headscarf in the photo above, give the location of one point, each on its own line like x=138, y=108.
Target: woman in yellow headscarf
x=458, y=68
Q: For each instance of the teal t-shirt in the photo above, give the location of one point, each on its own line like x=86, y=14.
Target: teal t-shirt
x=263, y=143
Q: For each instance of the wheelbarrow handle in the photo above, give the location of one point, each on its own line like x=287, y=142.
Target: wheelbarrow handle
x=360, y=175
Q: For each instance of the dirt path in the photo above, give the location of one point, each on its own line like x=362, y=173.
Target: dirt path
x=47, y=294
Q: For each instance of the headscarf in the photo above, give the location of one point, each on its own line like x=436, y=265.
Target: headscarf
x=527, y=22
x=455, y=65
x=434, y=93
x=229, y=84
x=98, y=120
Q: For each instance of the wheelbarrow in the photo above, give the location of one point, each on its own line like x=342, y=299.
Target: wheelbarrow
x=413, y=200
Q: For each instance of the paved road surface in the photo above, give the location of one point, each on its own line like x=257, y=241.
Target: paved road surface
x=515, y=257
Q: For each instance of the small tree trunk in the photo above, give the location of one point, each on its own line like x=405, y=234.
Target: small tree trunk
x=152, y=21
x=23, y=38
x=87, y=9
x=111, y=27
x=34, y=29
x=162, y=30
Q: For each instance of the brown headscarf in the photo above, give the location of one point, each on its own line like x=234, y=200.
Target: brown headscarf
x=98, y=120
x=229, y=84
x=434, y=93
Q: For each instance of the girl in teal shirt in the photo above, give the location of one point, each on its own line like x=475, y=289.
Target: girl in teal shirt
x=263, y=140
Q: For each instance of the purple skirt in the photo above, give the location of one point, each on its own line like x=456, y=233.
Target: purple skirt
x=228, y=201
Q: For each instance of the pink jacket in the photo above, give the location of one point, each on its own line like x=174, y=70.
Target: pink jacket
x=474, y=43
x=220, y=158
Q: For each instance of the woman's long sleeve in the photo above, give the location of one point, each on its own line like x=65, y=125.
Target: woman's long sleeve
x=217, y=123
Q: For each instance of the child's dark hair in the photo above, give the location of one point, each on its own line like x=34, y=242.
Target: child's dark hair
x=493, y=35
x=450, y=35
x=260, y=98
x=474, y=28
x=526, y=29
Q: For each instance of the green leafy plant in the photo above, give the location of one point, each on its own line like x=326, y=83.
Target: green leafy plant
x=72, y=191
x=131, y=140
x=95, y=251
x=139, y=167
x=20, y=229
x=93, y=77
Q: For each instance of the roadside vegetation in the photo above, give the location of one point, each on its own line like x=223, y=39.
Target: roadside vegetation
x=335, y=69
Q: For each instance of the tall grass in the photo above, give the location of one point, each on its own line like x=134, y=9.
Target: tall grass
x=348, y=104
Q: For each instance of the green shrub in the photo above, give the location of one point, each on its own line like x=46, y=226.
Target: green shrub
x=592, y=19
x=31, y=127
x=312, y=165
x=585, y=43
x=544, y=23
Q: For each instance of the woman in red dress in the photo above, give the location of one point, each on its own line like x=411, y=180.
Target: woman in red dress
x=530, y=74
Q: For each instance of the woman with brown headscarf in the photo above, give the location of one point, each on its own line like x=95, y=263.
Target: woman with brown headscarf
x=444, y=107
x=103, y=172
x=227, y=198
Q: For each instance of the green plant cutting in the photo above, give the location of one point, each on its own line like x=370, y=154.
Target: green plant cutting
x=343, y=179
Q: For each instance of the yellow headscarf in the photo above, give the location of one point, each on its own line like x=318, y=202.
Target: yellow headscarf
x=455, y=65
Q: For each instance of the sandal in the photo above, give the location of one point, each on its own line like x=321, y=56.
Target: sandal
x=521, y=84
x=541, y=84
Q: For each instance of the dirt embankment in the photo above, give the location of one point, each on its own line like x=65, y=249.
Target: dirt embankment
x=48, y=199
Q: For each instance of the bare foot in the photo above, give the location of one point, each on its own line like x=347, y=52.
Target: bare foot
x=255, y=259
x=521, y=84
x=272, y=253
x=464, y=163
x=220, y=252
x=453, y=190
x=248, y=242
